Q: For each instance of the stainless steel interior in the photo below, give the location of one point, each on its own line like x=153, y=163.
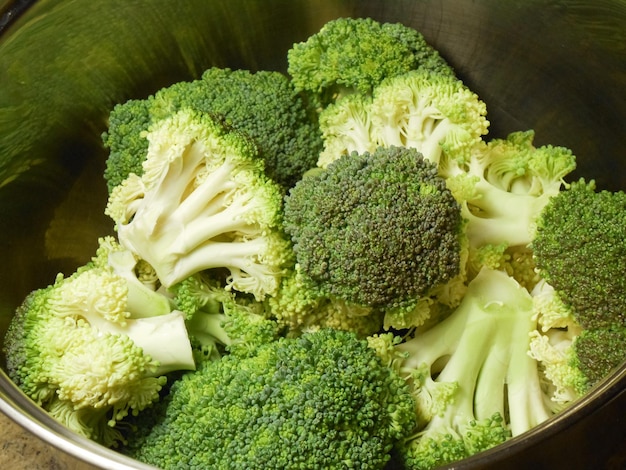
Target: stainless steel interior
x=555, y=66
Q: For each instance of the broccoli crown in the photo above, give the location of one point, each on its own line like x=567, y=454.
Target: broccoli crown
x=596, y=353
x=377, y=229
x=433, y=113
x=579, y=249
x=77, y=350
x=262, y=105
x=474, y=382
x=356, y=54
x=203, y=202
x=322, y=400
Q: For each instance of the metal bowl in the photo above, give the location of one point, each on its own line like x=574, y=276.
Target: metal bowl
x=555, y=66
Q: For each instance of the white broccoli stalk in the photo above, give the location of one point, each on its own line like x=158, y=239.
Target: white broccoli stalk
x=203, y=202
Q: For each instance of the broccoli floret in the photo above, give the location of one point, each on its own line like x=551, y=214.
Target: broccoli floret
x=353, y=55
x=579, y=251
x=88, y=355
x=298, y=306
x=262, y=105
x=377, y=230
x=219, y=321
x=474, y=381
x=433, y=113
x=322, y=400
x=505, y=185
x=203, y=202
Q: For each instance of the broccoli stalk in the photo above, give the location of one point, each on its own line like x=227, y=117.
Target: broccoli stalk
x=202, y=202
x=474, y=382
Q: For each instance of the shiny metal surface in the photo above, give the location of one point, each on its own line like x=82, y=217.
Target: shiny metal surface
x=558, y=67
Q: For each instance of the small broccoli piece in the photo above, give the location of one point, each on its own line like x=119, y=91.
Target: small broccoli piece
x=505, y=185
x=322, y=400
x=203, y=202
x=262, y=105
x=353, y=55
x=377, y=230
x=298, y=306
x=218, y=321
x=88, y=357
x=580, y=250
x=433, y=113
x=474, y=381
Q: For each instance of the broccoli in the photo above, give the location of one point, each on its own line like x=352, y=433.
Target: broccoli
x=88, y=354
x=504, y=186
x=321, y=400
x=298, y=306
x=434, y=113
x=474, y=382
x=353, y=55
x=202, y=202
x=219, y=321
x=262, y=105
x=580, y=254
x=377, y=230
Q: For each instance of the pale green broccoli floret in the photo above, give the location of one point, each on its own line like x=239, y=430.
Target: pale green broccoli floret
x=505, y=185
x=474, y=381
x=436, y=114
x=90, y=357
x=298, y=306
x=203, y=202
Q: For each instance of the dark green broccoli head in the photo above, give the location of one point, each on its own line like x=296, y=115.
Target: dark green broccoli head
x=318, y=401
x=377, y=229
x=262, y=105
x=598, y=352
x=356, y=54
x=580, y=249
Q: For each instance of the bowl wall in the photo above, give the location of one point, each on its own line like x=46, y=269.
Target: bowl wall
x=558, y=67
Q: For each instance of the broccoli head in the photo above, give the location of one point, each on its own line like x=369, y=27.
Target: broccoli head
x=90, y=356
x=321, y=400
x=262, y=105
x=203, y=202
x=349, y=55
x=579, y=250
x=377, y=229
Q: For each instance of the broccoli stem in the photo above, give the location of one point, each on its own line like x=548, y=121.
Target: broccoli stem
x=164, y=338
